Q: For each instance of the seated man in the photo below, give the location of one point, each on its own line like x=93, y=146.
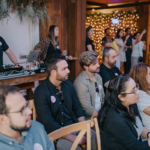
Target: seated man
x=5, y=48
x=108, y=68
x=88, y=85
x=17, y=131
x=57, y=104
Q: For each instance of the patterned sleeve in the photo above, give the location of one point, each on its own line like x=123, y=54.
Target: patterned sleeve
x=144, y=101
x=43, y=46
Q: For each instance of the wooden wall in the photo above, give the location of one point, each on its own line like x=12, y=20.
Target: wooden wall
x=70, y=17
x=142, y=24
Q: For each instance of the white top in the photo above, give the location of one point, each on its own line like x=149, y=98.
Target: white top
x=122, y=54
x=138, y=127
x=137, y=48
x=97, y=99
x=97, y=102
x=144, y=102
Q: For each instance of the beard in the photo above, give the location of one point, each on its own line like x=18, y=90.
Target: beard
x=61, y=78
x=17, y=128
x=112, y=64
x=94, y=71
x=108, y=34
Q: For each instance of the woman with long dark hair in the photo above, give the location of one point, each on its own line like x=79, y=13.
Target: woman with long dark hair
x=89, y=42
x=119, y=120
x=50, y=44
x=121, y=44
x=141, y=75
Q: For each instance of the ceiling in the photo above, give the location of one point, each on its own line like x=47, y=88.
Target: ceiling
x=117, y=1
x=100, y=4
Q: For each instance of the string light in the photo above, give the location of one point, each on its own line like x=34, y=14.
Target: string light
x=101, y=21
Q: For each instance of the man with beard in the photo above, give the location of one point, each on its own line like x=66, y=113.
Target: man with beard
x=107, y=36
x=127, y=64
x=17, y=131
x=88, y=85
x=108, y=68
x=57, y=104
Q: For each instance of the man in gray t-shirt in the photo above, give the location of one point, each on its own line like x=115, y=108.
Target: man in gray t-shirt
x=17, y=131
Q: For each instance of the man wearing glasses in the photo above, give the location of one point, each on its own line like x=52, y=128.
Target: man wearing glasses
x=57, y=104
x=17, y=131
x=88, y=85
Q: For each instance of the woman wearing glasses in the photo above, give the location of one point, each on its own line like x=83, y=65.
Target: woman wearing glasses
x=119, y=120
x=141, y=75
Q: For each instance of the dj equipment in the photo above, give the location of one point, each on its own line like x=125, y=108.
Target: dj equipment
x=9, y=69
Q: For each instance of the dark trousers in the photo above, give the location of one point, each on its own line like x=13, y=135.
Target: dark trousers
x=127, y=64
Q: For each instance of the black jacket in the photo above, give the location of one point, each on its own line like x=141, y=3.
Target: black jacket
x=50, y=113
x=118, y=133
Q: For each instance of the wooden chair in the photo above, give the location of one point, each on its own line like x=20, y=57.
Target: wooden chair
x=97, y=134
x=32, y=107
x=83, y=127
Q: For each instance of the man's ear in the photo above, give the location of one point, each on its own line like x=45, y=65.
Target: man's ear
x=3, y=119
x=53, y=72
x=106, y=58
x=121, y=97
x=85, y=67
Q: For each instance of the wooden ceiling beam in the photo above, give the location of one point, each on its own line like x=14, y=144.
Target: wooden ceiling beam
x=121, y=6
x=96, y=4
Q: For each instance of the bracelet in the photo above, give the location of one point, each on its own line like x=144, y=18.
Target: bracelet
x=148, y=134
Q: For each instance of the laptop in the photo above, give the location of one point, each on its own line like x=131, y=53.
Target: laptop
x=33, y=55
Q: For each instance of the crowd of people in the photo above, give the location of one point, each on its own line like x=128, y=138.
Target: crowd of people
x=119, y=101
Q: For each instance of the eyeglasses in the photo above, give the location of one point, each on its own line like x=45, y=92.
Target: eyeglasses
x=135, y=90
x=23, y=111
x=96, y=88
x=61, y=97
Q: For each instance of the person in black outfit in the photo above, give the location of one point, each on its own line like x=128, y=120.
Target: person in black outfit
x=5, y=48
x=108, y=68
x=119, y=119
x=89, y=42
x=49, y=45
x=127, y=64
x=57, y=104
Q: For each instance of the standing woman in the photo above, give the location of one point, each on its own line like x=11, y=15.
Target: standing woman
x=137, y=48
x=121, y=44
x=89, y=42
x=50, y=44
x=119, y=119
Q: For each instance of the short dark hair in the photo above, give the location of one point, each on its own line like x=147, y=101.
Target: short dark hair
x=106, y=52
x=51, y=62
x=136, y=34
x=4, y=91
x=127, y=29
x=117, y=35
x=106, y=29
x=87, y=58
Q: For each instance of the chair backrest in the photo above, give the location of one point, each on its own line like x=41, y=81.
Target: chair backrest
x=97, y=134
x=32, y=107
x=83, y=127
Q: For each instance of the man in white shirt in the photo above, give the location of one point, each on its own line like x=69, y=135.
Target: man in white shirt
x=88, y=85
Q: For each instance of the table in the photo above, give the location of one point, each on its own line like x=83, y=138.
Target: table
x=25, y=82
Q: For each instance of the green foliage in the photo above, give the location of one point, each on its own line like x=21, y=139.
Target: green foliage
x=30, y=9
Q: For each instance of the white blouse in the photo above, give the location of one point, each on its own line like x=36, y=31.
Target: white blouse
x=144, y=102
x=137, y=48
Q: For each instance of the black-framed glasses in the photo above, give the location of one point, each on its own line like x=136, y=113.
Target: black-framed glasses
x=135, y=90
x=23, y=111
x=61, y=97
x=96, y=87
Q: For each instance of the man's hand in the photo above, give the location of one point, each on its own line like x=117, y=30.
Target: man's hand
x=94, y=115
x=82, y=141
